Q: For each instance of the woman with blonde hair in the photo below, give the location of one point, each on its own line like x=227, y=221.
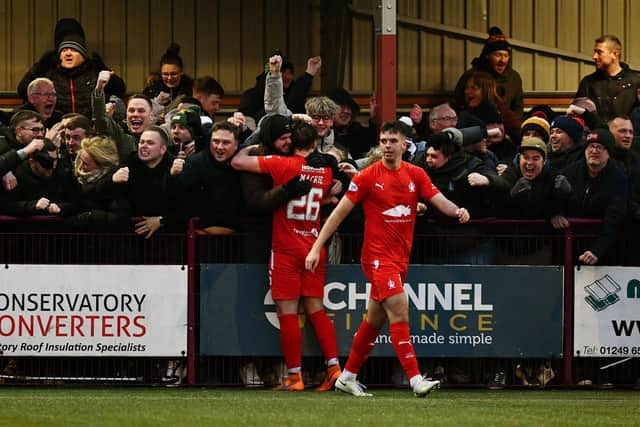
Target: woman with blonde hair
x=96, y=157
x=100, y=205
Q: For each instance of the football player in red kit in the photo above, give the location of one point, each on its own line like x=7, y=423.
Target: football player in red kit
x=389, y=191
x=295, y=228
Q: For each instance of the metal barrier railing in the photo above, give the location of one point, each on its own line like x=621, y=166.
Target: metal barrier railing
x=501, y=241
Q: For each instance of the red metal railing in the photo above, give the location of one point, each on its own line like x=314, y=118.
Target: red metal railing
x=230, y=244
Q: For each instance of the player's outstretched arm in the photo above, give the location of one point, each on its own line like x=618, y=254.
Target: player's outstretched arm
x=449, y=208
x=335, y=219
x=244, y=162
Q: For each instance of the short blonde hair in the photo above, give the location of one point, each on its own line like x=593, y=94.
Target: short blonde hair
x=102, y=149
x=321, y=105
x=373, y=156
x=340, y=154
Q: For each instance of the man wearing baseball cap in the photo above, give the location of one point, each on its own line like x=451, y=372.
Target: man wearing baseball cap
x=186, y=131
x=534, y=190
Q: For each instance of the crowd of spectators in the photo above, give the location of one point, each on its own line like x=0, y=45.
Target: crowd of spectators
x=75, y=150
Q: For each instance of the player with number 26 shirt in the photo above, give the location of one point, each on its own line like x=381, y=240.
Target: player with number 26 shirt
x=296, y=226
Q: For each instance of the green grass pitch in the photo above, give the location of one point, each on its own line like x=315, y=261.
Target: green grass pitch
x=20, y=406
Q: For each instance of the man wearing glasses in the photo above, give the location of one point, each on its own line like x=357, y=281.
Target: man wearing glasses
x=27, y=126
x=17, y=142
x=441, y=116
x=600, y=190
x=322, y=111
x=42, y=99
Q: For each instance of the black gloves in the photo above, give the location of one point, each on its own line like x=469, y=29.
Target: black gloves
x=522, y=185
x=297, y=187
x=561, y=186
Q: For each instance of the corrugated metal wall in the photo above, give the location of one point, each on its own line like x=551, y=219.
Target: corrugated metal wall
x=224, y=38
x=230, y=39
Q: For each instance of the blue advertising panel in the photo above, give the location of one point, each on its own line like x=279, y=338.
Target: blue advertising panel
x=455, y=311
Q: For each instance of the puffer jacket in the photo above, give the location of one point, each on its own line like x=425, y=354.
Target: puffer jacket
x=74, y=87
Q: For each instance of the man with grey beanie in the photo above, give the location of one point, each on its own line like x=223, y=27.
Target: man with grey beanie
x=73, y=70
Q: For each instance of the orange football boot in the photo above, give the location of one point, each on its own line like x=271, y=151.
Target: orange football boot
x=292, y=383
x=333, y=373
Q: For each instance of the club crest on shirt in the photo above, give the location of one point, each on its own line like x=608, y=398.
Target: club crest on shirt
x=412, y=187
x=353, y=187
x=391, y=284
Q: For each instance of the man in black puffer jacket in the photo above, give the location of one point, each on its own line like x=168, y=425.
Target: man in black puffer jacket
x=74, y=72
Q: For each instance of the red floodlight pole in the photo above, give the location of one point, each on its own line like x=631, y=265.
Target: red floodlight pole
x=386, y=61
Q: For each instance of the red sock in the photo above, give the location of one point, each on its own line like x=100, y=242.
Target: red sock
x=401, y=342
x=362, y=345
x=291, y=340
x=326, y=334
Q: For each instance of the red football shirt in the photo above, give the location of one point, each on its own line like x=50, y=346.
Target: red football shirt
x=296, y=225
x=389, y=199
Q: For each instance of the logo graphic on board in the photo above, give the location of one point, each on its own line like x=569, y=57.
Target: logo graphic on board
x=602, y=293
x=270, y=313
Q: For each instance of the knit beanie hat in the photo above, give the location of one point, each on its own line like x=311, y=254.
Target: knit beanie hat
x=75, y=42
x=542, y=111
x=496, y=41
x=189, y=118
x=602, y=136
x=273, y=127
x=537, y=124
x=65, y=27
x=569, y=125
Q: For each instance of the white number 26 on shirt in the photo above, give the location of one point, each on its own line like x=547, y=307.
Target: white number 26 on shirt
x=307, y=207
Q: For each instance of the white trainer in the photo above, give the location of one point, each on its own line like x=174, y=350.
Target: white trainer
x=352, y=387
x=424, y=387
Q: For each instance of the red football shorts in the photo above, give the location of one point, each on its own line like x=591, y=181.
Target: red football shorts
x=289, y=279
x=386, y=280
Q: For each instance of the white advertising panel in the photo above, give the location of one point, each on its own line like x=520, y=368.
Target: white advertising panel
x=93, y=310
x=607, y=312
